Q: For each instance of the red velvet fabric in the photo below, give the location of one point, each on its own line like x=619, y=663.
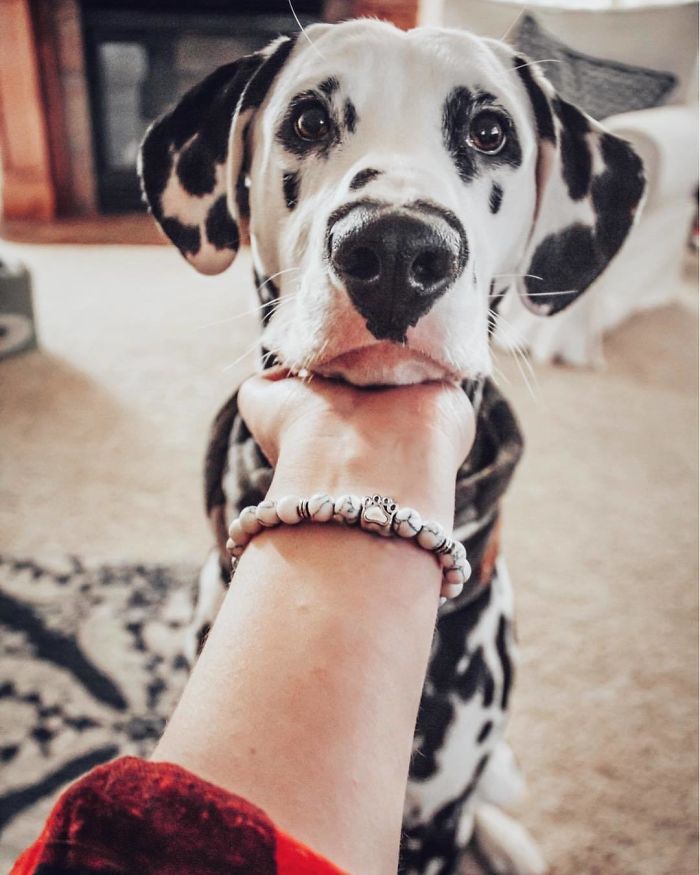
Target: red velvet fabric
x=135, y=816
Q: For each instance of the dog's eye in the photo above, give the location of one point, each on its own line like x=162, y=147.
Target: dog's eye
x=487, y=132
x=312, y=123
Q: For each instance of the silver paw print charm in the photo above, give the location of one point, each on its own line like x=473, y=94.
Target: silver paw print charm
x=377, y=514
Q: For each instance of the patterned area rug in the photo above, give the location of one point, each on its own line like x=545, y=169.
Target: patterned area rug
x=91, y=666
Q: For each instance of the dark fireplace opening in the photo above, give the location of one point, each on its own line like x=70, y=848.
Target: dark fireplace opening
x=141, y=56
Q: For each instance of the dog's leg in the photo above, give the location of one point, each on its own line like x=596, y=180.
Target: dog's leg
x=506, y=846
x=502, y=782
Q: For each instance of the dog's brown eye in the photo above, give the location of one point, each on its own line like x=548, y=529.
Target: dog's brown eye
x=312, y=124
x=487, y=132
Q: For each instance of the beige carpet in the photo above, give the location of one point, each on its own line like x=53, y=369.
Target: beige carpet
x=102, y=434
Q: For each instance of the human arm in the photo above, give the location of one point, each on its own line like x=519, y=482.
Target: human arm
x=305, y=697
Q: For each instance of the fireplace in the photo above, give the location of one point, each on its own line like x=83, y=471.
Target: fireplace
x=140, y=60
x=81, y=80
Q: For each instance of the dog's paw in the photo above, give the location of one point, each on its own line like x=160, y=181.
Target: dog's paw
x=507, y=847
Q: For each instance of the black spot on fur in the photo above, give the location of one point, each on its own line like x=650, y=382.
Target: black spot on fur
x=186, y=237
x=458, y=110
x=202, y=635
x=267, y=292
x=544, y=119
x=263, y=77
x=495, y=198
x=290, y=186
x=435, y=718
x=361, y=178
x=196, y=169
x=573, y=258
x=455, y=113
x=266, y=288
x=202, y=119
x=495, y=298
x=329, y=86
x=576, y=159
x=484, y=732
x=222, y=231
x=616, y=192
x=350, y=116
x=422, y=845
x=567, y=262
x=506, y=665
x=205, y=114
x=436, y=711
x=242, y=194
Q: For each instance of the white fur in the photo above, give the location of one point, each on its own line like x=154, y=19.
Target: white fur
x=506, y=844
x=399, y=133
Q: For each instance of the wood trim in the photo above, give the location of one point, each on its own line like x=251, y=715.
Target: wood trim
x=402, y=13
x=123, y=228
x=28, y=190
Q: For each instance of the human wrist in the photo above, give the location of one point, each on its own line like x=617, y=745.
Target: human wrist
x=411, y=473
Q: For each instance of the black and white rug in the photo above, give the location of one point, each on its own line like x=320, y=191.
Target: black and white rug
x=91, y=666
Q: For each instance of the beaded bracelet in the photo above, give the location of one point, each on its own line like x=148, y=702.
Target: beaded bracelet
x=373, y=513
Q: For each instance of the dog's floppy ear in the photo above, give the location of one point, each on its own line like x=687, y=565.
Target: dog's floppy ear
x=194, y=160
x=589, y=186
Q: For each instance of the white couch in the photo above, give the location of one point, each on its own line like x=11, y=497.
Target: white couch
x=646, y=271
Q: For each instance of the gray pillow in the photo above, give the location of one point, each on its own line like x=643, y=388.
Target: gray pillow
x=602, y=88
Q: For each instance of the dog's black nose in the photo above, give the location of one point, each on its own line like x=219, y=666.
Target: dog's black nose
x=395, y=265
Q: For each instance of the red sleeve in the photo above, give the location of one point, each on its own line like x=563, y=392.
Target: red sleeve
x=136, y=816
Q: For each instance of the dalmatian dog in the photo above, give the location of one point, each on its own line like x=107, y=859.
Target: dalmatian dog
x=392, y=186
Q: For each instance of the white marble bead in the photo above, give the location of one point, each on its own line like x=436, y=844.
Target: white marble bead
x=455, y=555
x=287, y=510
x=266, y=513
x=407, y=522
x=451, y=590
x=431, y=535
x=236, y=533
x=249, y=521
x=459, y=574
x=347, y=509
x=320, y=507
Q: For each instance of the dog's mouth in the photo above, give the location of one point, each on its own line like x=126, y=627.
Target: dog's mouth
x=385, y=363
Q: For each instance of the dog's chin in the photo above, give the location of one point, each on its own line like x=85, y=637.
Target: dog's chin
x=384, y=364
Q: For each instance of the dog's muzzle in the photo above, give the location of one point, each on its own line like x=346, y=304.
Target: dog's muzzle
x=395, y=263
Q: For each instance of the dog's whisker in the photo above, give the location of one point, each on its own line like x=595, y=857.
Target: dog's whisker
x=546, y=294
x=513, y=23
x=268, y=279
x=271, y=306
x=500, y=375
x=520, y=356
x=243, y=355
x=301, y=28
x=267, y=357
x=542, y=61
x=515, y=275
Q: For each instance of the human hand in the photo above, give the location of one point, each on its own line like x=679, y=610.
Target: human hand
x=327, y=436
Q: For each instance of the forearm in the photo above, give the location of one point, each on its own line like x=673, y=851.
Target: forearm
x=305, y=697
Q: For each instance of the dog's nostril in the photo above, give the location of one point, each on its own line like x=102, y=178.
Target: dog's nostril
x=430, y=267
x=362, y=263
